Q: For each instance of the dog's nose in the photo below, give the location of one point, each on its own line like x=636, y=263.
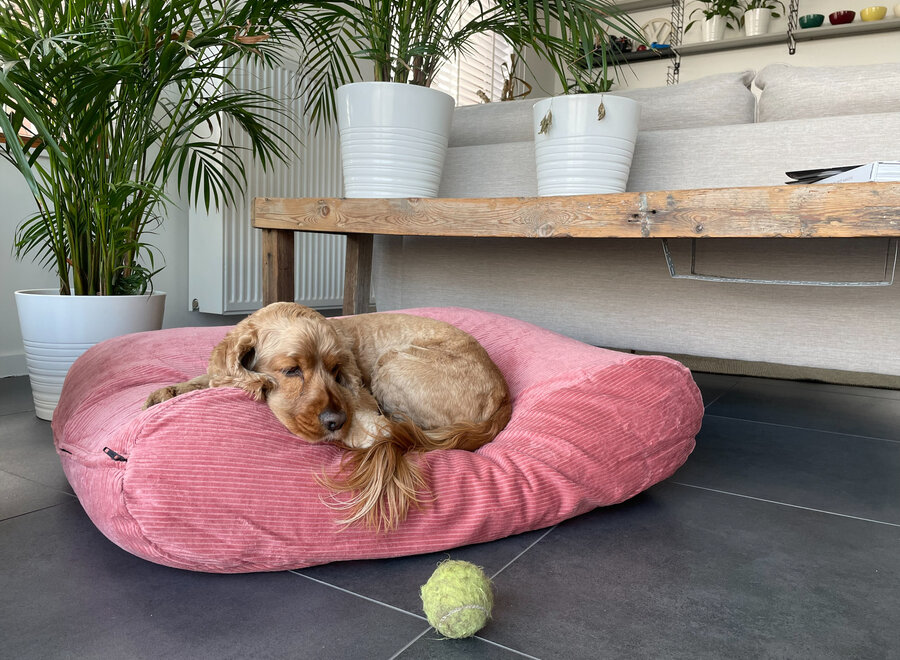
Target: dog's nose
x=333, y=420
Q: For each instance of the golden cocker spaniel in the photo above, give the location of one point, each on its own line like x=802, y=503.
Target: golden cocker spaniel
x=380, y=385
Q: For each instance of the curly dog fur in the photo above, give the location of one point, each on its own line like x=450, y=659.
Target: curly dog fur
x=382, y=386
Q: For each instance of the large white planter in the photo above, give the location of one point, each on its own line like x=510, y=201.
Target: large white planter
x=57, y=329
x=713, y=29
x=756, y=21
x=393, y=138
x=579, y=154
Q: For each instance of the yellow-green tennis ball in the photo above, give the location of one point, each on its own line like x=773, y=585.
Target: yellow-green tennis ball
x=457, y=599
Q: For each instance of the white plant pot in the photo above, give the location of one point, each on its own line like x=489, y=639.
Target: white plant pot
x=393, y=138
x=713, y=29
x=756, y=21
x=57, y=329
x=579, y=154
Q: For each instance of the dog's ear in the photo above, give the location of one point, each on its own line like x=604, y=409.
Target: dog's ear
x=351, y=375
x=233, y=359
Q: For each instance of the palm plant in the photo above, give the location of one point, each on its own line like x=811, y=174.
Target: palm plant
x=408, y=40
x=113, y=99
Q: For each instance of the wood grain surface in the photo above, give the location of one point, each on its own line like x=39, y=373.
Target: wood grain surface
x=812, y=211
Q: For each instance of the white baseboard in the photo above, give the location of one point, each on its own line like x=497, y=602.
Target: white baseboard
x=13, y=364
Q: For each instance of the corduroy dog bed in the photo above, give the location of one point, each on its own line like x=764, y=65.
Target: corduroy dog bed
x=211, y=481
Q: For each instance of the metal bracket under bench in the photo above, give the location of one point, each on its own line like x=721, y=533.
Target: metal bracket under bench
x=845, y=210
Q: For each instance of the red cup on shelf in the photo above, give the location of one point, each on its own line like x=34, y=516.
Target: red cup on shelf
x=841, y=17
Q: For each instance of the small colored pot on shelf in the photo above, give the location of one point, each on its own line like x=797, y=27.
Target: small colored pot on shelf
x=812, y=20
x=873, y=13
x=841, y=17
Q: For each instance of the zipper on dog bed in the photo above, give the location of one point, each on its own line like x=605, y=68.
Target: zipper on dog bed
x=116, y=456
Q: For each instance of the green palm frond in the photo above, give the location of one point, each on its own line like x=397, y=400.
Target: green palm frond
x=117, y=93
x=409, y=40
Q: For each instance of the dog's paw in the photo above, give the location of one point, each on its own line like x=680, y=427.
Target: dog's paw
x=160, y=395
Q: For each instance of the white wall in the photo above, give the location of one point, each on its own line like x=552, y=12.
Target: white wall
x=172, y=240
x=16, y=204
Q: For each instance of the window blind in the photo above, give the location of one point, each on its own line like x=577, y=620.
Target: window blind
x=478, y=69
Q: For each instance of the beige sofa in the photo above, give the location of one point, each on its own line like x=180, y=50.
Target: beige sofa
x=712, y=132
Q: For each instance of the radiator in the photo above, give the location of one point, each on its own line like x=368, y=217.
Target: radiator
x=224, y=251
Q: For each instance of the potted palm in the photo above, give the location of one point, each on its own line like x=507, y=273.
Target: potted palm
x=718, y=15
x=758, y=14
x=407, y=41
x=584, y=140
x=110, y=100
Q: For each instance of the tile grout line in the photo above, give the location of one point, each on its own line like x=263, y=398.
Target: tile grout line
x=507, y=648
x=802, y=428
x=38, y=483
x=353, y=593
x=534, y=543
x=483, y=639
x=28, y=513
x=407, y=612
x=792, y=506
x=719, y=396
x=411, y=642
x=17, y=412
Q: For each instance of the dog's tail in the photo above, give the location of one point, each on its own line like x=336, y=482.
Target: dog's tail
x=385, y=478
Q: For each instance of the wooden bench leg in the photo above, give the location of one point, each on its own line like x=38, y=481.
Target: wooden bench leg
x=358, y=274
x=278, y=265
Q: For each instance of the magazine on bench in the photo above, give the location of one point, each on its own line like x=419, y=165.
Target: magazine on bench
x=879, y=170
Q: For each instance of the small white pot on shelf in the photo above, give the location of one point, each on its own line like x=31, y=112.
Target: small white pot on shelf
x=756, y=21
x=713, y=29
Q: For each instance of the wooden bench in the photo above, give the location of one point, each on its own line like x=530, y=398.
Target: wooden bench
x=846, y=210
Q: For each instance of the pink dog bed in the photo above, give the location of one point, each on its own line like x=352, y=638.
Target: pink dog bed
x=211, y=481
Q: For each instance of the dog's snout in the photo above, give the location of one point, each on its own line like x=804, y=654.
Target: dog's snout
x=333, y=420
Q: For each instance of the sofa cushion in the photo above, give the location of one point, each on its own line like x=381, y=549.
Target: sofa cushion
x=211, y=481
x=758, y=154
x=684, y=158
x=717, y=100
x=492, y=123
x=794, y=92
x=505, y=169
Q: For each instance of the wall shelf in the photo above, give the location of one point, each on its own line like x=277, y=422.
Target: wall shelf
x=733, y=44
x=848, y=30
x=640, y=5
x=827, y=31
x=644, y=55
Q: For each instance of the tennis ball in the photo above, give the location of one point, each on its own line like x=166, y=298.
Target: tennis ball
x=457, y=599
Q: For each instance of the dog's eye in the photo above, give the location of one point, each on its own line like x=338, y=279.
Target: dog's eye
x=292, y=371
x=337, y=375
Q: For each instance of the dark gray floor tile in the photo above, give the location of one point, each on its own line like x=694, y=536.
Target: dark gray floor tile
x=397, y=581
x=19, y=496
x=685, y=573
x=26, y=450
x=712, y=386
x=807, y=405
x=15, y=395
x=70, y=593
x=434, y=647
x=853, y=390
x=851, y=475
